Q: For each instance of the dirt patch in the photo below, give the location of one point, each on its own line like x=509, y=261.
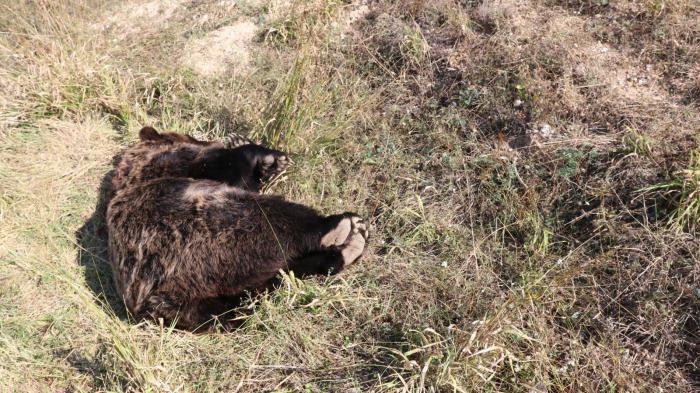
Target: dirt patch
x=353, y=14
x=227, y=48
x=140, y=17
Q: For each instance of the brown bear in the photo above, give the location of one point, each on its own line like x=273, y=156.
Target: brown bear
x=188, y=229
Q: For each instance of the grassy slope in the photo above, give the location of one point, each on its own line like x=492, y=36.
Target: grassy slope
x=529, y=167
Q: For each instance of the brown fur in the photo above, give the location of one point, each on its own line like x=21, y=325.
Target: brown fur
x=187, y=228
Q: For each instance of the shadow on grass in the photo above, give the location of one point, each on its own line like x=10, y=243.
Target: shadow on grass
x=92, y=255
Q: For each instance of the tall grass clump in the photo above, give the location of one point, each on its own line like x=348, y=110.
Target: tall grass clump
x=684, y=188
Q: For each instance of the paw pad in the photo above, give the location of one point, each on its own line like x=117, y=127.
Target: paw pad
x=273, y=164
x=350, y=236
x=355, y=244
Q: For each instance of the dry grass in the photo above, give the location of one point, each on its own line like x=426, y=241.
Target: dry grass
x=530, y=170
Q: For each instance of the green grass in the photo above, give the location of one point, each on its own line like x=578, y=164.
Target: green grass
x=501, y=258
x=638, y=143
x=684, y=188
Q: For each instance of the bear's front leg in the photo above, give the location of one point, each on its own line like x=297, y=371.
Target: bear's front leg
x=247, y=167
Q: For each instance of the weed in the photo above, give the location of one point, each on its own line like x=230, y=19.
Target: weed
x=469, y=98
x=285, y=116
x=539, y=237
x=637, y=143
x=685, y=189
x=570, y=162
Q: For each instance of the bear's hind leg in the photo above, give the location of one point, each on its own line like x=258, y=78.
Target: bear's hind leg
x=317, y=263
x=340, y=246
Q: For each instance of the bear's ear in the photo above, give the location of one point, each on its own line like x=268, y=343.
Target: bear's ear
x=149, y=134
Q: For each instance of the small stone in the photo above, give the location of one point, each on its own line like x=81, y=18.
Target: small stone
x=546, y=130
